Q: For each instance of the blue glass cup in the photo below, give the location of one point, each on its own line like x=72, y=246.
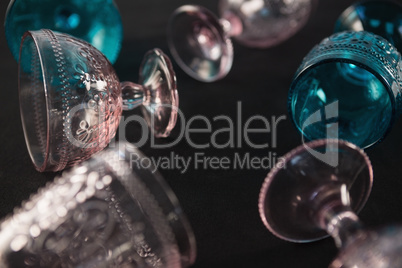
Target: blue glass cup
x=96, y=21
x=383, y=18
x=348, y=87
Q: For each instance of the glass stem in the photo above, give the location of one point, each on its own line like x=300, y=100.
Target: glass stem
x=133, y=95
x=334, y=214
x=342, y=226
x=231, y=24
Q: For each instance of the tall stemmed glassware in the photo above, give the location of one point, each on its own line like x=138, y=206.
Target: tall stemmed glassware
x=316, y=190
x=200, y=42
x=71, y=99
x=105, y=212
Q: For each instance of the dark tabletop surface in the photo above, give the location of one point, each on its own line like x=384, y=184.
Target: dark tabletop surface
x=220, y=204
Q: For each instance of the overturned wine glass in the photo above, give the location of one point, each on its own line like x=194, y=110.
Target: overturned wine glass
x=97, y=21
x=348, y=87
x=105, y=212
x=315, y=191
x=71, y=100
x=200, y=42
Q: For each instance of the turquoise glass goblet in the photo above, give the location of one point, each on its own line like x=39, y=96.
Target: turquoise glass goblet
x=348, y=87
x=102, y=213
x=96, y=21
x=381, y=17
x=317, y=190
x=71, y=100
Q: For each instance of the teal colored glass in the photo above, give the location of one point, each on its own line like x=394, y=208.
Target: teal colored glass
x=383, y=18
x=348, y=87
x=96, y=21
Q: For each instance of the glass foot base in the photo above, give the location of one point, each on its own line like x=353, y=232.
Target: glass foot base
x=161, y=100
x=308, y=176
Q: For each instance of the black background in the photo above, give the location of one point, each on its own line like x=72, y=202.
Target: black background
x=220, y=204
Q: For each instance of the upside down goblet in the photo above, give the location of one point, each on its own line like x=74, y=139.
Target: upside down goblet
x=381, y=17
x=105, y=212
x=96, y=21
x=348, y=87
x=71, y=99
x=315, y=191
x=200, y=42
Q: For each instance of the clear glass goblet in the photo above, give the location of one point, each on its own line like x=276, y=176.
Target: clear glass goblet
x=348, y=87
x=200, y=42
x=381, y=17
x=71, y=100
x=315, y=191
x=96, y=21
x=106, y=212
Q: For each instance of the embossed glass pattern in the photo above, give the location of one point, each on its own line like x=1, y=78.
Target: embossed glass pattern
x=381, y=17
x=200, y=42
x=103, y=213
x=97, y=22
x=71, y=99
x=353, y=80
x=316, y=190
